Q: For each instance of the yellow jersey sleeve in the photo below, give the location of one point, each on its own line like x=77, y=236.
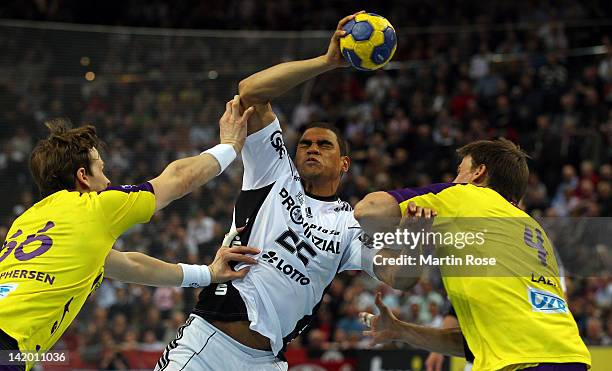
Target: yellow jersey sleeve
x=126, y=205
x=434, y=196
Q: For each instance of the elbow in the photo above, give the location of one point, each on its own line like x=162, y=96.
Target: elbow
x=399, y=279
x=248, y=96
x=245, y=91
x=404, y=283
x=134, y=270
x=180, y=178
x=243, y=87
x=376, y=204
x=120, y=266
x=364, y=208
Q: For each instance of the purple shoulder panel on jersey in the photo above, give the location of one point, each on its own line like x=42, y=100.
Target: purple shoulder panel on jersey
x=146, y=187
x=404, y=194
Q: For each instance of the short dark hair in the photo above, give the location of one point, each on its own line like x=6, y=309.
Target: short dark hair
x=56, y=159
x=342, y=142
x=507, y=170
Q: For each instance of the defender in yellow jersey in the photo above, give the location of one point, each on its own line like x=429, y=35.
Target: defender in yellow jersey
x=58, y=251
x=54, y=258
x=510, y=320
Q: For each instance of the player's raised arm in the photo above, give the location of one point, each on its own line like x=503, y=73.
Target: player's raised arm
x=386, y=327
x=262, y=87
x=183, y=176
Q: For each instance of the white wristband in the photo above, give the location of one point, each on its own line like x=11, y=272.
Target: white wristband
x=224, y=153
x=195, y=275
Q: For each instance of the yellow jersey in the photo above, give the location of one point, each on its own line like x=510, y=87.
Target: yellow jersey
x=53, y=258
x=511, y=310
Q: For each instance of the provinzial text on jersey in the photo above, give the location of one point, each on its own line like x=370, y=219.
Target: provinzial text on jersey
x=295, y=212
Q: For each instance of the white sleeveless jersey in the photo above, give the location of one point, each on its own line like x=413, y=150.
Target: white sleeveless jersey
x=304, y=240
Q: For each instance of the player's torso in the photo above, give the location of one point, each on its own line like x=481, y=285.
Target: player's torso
x=519, y=301
x=300, y=236
x=49, y=263
x=301, y=240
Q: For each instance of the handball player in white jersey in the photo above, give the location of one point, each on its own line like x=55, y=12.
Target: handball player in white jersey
x=306, y=235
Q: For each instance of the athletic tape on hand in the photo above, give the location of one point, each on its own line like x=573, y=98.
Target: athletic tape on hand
x=366, y=318
x=229, y=237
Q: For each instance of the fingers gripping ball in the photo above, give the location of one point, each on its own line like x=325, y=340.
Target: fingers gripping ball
x=370, y=41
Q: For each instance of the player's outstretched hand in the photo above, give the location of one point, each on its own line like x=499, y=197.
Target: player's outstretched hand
x=334, y=56
x=384, y=327
x=233, y=126
x=220, y=269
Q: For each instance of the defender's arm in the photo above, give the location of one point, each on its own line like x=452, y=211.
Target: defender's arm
x=135, y=267
x=386, y=327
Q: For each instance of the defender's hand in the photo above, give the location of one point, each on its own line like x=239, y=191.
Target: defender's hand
x=334, y=57
x=384, y=327
x=417, y=218
x=232, y=126
x=415, y=211
x=220, y=269
x=434, y=362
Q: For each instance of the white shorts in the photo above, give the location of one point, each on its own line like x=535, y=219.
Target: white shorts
x=201, y=346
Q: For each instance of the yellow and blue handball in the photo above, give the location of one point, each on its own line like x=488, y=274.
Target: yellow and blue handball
x=369, y=43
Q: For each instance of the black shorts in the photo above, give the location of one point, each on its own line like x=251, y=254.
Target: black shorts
x=7, y=343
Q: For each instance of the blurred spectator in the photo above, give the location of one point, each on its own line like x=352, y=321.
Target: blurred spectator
x=201, y=230
x=594, y=333
x=167, y=299
x=536, y=195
